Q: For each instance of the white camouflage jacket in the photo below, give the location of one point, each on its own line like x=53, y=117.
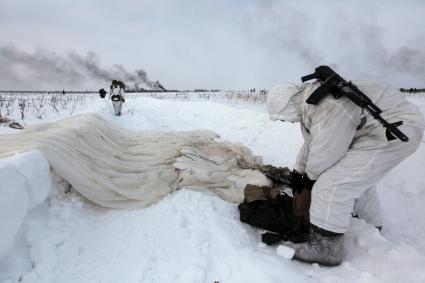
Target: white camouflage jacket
x=331, y=127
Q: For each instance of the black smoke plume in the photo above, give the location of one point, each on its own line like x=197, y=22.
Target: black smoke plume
x=46, y=70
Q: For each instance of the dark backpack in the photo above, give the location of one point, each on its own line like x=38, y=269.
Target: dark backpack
x=265, y=209
x=102, y=93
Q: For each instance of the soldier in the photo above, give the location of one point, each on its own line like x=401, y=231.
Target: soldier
x=117, y=95
x=344, y=155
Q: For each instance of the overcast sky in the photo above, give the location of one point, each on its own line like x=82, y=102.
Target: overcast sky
x=231, y=44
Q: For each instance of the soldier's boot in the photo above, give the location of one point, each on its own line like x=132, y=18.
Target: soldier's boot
x=324, y=247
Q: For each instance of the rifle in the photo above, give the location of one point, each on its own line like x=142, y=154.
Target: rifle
x=333, y=83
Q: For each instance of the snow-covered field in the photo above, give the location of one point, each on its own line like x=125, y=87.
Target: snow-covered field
x=192, y=236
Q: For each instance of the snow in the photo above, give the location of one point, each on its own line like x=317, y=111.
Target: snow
x=192, y=236
x=25, y=185
x=285, y=252
x=13, y=206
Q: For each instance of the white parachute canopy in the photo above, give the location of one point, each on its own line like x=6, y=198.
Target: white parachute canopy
x=118, y=168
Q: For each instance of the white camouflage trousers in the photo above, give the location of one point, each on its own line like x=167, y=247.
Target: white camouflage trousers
x=117, y=107
x=349, y=185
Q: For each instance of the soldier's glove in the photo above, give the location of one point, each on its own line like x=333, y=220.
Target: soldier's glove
x=308, y=183
x=299, y=182
x=301, y=189
x=279, y=175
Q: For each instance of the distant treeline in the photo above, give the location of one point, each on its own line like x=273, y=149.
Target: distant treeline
x=172, y=90
x=95, y=91
x=412, y=90
x=76, y=91
x=48, y=91
x=198, y=90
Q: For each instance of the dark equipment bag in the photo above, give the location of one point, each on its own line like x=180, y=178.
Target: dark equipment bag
x=102, y=93
x=116, y=97
x=273, y=212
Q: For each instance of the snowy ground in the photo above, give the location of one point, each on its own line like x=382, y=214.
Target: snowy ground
x=195, y=237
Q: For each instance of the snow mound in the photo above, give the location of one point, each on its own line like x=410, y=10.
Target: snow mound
x=25, y=183
x=186, y=237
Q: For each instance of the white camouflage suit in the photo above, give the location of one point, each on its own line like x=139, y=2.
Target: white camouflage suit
x=347, y=162
x=118, y=104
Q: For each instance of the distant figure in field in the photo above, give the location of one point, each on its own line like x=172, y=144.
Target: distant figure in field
x=117, y=95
